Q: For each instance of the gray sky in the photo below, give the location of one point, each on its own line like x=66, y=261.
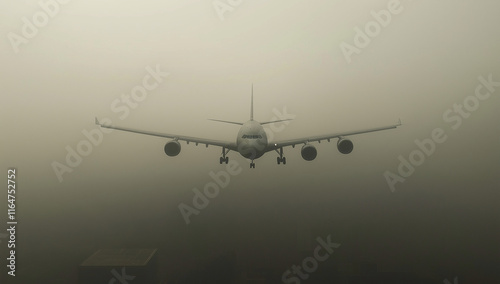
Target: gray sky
x=126, y=191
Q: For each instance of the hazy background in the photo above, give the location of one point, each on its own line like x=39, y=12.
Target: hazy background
x=441, y=222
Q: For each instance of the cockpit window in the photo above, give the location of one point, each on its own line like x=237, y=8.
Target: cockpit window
x=252, y=136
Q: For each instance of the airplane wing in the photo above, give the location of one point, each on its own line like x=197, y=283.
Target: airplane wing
x=196, y=140
x=274, y=145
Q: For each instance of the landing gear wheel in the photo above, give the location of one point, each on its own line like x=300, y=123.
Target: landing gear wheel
x=280, y=159
x=252, y=165
x=224, y=159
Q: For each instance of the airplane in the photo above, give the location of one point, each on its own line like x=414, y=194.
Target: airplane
x=252, y=142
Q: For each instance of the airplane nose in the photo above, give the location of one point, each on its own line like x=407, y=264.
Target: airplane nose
x=251, y=149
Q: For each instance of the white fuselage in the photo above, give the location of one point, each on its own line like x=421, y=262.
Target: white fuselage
x=251, y=140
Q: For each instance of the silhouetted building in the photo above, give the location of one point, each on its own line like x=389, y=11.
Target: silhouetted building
x=138, y=266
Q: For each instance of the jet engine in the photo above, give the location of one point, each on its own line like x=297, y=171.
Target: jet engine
x=345, y=146
x=308, y=152
x=172, y=148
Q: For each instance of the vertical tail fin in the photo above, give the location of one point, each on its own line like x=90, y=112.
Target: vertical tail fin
x=251, y=106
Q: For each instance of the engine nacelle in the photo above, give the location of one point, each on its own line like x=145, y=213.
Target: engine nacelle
x=172, y=148
x=308, y=152
x=345, y=146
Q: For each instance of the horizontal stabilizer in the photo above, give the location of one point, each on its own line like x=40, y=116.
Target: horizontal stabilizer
x=267, y=122
x=232, y=122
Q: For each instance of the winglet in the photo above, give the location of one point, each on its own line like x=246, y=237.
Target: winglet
x=97, y=121
x=399, y=121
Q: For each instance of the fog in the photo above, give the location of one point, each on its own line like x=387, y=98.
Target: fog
x=437, y=222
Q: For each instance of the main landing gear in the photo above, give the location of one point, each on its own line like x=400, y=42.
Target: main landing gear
x=280, y=159
x=224, y=159
x=252, y=165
